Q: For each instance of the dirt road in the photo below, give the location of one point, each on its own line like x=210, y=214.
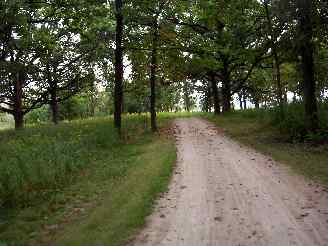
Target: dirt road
x=228, y=195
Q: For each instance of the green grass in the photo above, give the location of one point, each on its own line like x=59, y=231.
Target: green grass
x=79, y=183
x=6, y=122
x=252, y=129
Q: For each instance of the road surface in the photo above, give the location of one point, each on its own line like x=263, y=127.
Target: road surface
x=224, y=194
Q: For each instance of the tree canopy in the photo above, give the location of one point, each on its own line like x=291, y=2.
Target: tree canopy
x=151, y=56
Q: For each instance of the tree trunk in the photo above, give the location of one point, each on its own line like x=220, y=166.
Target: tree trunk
x=207, y=99
x=215, y=92
x=153, y=70
x=54, y=103
x=18, y=100
x=279, y=86
x=306, y=52
x=53, y=96
x=118, y=88
x=257, y=103
x=226, y=94
x=186, y=96
x=226, y=88
x=276, y=61
x=240, y=98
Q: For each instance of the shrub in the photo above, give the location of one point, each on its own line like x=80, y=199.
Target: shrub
x=38, y=115
x=293, y=124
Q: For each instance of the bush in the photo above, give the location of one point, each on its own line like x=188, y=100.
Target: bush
x=293, y=124
x=39, y=161
x=38, y=115
x=318, y=137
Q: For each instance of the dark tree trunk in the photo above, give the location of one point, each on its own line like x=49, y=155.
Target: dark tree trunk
x=54, y=103
x=306, y=52
x=53, y=96
x=18, y=100
x=240, y=98
x=186, y=96
x=226, y=87
x=257, y=104
x=215, y=93
x=209, y=99
x=118, y=88
x=226, y=95
x=93, y=105
x=276, y=61
x=245, y=103
x=207, y=105
x=153, y=70
x=279, y=86
x=285, y=96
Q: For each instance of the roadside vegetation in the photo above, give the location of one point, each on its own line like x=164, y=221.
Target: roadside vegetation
x=79, y=182
x=108, y=75
x=283, y=140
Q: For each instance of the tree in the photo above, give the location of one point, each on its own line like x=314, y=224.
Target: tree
x=273, y=36
x=118, y=90
x=46, y=54
x=306, y=49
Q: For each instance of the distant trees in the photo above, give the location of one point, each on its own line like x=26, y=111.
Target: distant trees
x=47, y=51
x=305, y=16
x=119, y=71
x=258, y=50
x=301, y=23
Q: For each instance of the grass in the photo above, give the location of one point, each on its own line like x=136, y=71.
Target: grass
x=6, y=122
x=250, y=128
x=79, y=183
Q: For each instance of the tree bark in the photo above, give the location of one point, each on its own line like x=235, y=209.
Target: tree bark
x=240, y=98
x=257, y=104
x=118, y=88
x=18, y=100
x=226, y=94
x=215, y=92
x=226, y=89
x=54, y=103
x=153, y=70
x=306, y=52
x=53, y=96
x=276, y=61
x=186, y=96
x=207, y=104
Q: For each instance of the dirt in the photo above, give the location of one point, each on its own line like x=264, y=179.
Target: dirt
x=226, y=194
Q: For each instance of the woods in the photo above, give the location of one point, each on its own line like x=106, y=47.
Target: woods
x=90, y=91
x=219, y=50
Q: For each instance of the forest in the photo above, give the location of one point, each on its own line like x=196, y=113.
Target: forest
x=67, y=59
x=101, y=81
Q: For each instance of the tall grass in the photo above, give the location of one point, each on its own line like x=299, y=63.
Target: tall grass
x=292, y=125
x=6, y=121
x=39, y=160
x=50, y=173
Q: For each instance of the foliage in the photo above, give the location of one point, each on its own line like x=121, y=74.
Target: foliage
x=292, y=127
x=76, y=165
x=48, y=51
x=39, y=115
x=253, y=129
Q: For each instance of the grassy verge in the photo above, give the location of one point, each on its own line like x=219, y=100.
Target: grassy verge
x=79, y=183
x=306, y=159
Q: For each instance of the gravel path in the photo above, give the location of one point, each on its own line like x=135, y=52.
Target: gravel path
x=225, y=194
